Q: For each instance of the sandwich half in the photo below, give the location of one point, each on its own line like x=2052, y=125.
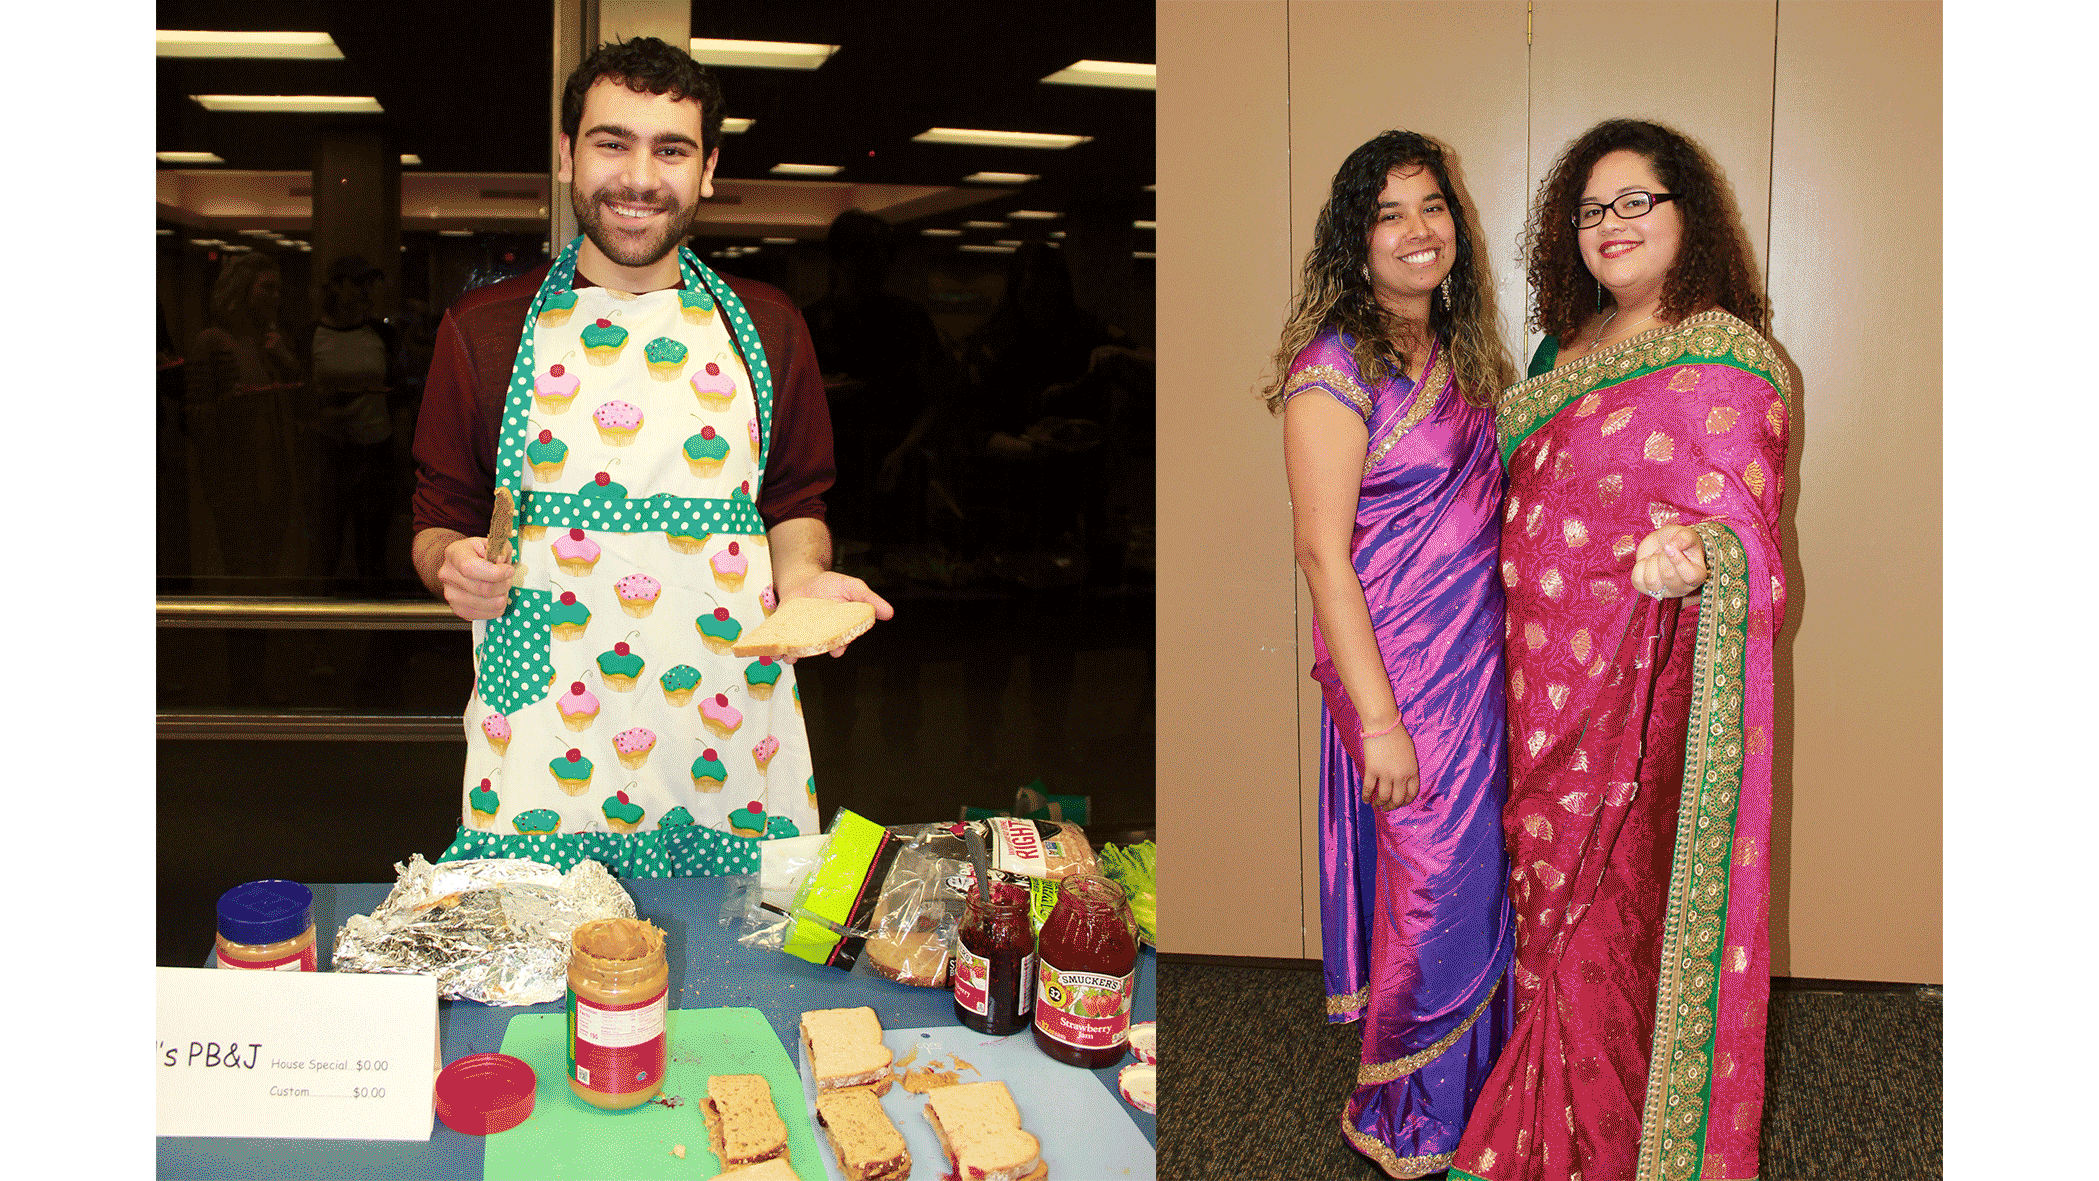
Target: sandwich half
x=869, y=1147
x=979, y=1129
x=845, y=1049
x=776, y=1169
x=742, y=1127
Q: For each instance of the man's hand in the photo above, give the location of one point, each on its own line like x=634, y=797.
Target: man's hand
x=474, y=587
x=830, y=584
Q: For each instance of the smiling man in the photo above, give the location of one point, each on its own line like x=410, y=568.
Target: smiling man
x=663, y=433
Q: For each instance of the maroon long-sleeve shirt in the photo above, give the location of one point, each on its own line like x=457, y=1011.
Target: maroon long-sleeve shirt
x=455, y=434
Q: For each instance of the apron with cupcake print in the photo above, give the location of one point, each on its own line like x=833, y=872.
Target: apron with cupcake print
x=609, y=718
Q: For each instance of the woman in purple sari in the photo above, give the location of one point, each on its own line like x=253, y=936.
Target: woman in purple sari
x=1384, y=374
x=1640, y=551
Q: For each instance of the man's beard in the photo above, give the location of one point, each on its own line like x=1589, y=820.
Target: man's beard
x=627, y=249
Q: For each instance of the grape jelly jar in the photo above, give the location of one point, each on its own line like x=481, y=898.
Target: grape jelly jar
x=268, y=926
x=618, y=1013
x=995, y=965
x=1087, y=975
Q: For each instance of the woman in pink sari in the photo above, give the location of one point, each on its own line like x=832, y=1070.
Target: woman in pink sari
x=1383, y=378
x=1640, y=553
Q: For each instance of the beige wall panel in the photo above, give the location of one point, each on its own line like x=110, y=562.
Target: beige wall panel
x=1700, y=66
x=1227, y=778
x=1451, y=70
x=1855, y=280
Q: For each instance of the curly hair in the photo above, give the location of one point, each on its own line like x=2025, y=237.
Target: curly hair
x=229, y=294
x=1335, y=289
x=646, y=65
x=1714, y=266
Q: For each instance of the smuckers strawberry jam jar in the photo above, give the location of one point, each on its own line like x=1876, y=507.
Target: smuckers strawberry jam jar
x=995, y=964
x=267, y=926
x=618, y=1013
x=1087, y=974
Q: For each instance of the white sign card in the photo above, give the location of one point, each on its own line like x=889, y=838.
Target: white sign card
x=294, y=1055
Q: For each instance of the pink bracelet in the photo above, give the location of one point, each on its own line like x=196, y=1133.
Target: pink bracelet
x=1380, y=734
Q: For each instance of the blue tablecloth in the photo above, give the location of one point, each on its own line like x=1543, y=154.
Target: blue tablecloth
x=708, y=969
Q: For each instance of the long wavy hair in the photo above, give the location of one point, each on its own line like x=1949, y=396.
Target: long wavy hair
x=229, y=295
x=1714, y=266
x=1335, y=289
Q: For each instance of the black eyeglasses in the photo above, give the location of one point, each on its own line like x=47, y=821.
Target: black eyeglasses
x=1630, y=205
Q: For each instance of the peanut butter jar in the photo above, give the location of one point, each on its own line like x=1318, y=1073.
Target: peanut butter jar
x=267, y=926
x=618, y=1013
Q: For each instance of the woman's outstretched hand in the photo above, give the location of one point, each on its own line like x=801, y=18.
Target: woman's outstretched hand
x=1391, y=773
x=1670, y=563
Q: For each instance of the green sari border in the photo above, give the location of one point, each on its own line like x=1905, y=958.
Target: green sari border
x=1708, y=338
x=1673, y=1120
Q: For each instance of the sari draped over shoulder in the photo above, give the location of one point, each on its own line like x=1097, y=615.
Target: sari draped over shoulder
x=1639, y=811
x=1414, y=914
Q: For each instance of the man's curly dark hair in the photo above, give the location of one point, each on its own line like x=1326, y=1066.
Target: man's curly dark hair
x=1714, y=266
x=646, y=65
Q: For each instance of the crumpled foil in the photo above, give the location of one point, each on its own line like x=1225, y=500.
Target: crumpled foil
x=494, y=930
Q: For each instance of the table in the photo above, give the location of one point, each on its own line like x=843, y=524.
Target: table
x=708, y=969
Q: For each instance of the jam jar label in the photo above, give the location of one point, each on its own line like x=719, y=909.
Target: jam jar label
x=973, y=981
x=1088, y=1010
x=615, y=1049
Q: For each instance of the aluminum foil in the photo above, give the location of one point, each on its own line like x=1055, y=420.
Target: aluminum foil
x=494, y=930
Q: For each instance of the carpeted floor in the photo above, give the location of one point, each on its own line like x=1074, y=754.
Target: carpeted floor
x=1254, y=1081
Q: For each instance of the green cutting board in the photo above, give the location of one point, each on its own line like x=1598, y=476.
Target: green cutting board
x=565, y=1137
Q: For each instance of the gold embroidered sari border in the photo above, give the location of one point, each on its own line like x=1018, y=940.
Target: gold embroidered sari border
x=1395, y=1165
x=1333, y=379
x=1371, y=1074
x=1715, y=337
x=1348, y=1002
x=1433, y=383
x=1674, y=1114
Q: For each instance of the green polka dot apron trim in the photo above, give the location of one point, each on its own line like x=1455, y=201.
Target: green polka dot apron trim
x=684, y=852
x=610, y=718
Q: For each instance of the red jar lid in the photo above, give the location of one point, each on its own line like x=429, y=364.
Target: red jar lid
x=482, y=1094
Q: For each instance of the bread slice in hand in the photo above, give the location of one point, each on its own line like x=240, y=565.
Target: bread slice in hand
x=805, y=627
x=844, y=1048
x=979, y=1129
x=743, y=1128
x=869, y=1147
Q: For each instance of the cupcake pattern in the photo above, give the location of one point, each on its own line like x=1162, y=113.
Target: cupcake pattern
x=626, y=713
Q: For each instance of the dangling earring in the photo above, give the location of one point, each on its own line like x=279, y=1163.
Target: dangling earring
x=1444, y=287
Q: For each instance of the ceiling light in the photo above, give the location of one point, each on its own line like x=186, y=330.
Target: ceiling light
x=164, y=230
x=297, y=104
x=1009, y=242
x=1145, y=225
x=455, y=233
x=981, y=248
x=807, y=169
x=984, y=225
x=1151, y=188
x=998, y=139
x=1057, y=235
x=779, y=241
x=941, y=233
x=736, y=126
x=1126, y=75
x=1152, y=254
x=188, y=157
x=1001, y=178
x=1032, y=215
x=775, y=55
x=410, y=160
x=259, y=233
x=198, y=43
